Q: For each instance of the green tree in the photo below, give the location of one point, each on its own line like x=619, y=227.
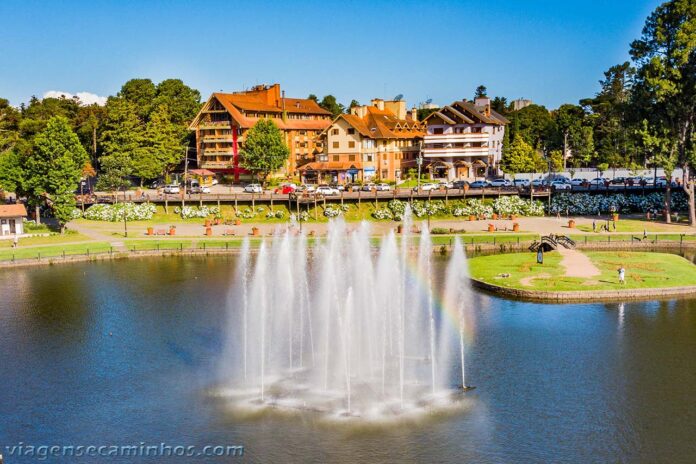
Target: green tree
x=140, y=92
x=665, y=57
x=661, y=150
x=182, y=101
x=54, y=168
x=569, y=121
x=353, y=104
x=557, y=161
x=534, y=124
x=264, y=150
x=313, y=97
x=123, y=134
x=11, y=172
x=520, y=157
x=330, y=104
x=9, y=125
x=163, y=149
x=481, y=91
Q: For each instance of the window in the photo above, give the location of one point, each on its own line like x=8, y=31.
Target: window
x=303, y=132
x=368, y=157
x=351, y=144
x=351, y=131
x=437, y=130
x=351, y=157
x=335, y=144
x=334, y=131
x=336, y=157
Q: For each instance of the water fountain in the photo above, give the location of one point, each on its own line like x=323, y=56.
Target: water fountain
x=344, y=328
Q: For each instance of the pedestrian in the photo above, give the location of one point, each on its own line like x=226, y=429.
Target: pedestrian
x=15, y=241
x=594, y=226
x=540, y=256
x=614, y=226
x=622, y=275
x=645, y=234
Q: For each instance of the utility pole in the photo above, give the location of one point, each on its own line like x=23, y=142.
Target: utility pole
x=125, y=214
x=419, y=162
x=183, y=195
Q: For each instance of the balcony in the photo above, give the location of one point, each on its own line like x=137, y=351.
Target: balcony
x=215, y=125
x=457, y=138
x=217, y=151
x=467, y=151
x=216, y=164
x=217, y=138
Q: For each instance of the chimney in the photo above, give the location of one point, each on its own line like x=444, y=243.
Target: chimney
x=483, y=104
x=282, y=100
x=379, y=103
x=414, y=114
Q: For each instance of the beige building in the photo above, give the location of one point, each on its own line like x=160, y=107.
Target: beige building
x=372, y=143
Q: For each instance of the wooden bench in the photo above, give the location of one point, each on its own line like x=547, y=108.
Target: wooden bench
x=161, y=232
x=229, y=232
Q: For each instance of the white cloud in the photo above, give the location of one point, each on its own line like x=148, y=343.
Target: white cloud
x=86, y=98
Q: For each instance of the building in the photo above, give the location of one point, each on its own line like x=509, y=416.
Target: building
x=520, y=103
x=372, y=143
x=464, y=140
x=222, y=123
x=12, y=219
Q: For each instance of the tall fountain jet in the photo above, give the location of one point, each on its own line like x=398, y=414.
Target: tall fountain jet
x=346, y=327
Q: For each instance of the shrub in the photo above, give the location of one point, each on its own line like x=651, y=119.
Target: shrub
x=116, y=212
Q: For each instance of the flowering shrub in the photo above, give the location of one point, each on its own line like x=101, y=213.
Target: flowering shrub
x=383, y=213
x=472, y=208
x=584, y=203
x=513, y=204
x=76, y=213
x=113, y=213
x=332, y=211
x=275, y=214
x=246, y=213
x=304, y=216
x=188, y=212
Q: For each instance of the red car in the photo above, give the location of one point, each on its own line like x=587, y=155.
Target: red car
x=286, y=188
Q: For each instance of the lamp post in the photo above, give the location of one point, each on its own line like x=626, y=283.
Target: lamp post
x=419, y=162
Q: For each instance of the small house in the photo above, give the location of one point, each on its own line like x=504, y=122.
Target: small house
x=12, y=219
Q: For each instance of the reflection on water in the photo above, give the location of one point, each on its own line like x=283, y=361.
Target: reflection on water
x=126, y=352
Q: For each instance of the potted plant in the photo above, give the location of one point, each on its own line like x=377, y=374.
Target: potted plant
x=571, y=224
x=515, y=226
x=209, y=231
x=495, y=216
x=150, y=230
x=255, y=231
x=237, y=222
x=472, y=217
x=615, y=216
x=491, y=228
x=172, y=230
x=207, y=223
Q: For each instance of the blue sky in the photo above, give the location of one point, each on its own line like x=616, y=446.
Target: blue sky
x=550, y=51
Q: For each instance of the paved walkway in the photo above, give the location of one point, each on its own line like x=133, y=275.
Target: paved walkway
x=577, y=264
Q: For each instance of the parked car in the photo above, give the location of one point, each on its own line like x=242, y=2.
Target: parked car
x=524, y=183
x=198, y=189
x=368, y=187
x=307, y=188
x=172, y=188
x=500, y=183
x=383, y=187
x=618, y=181
x=634, y=180
x=327, y=190
x=339, y=187
x=352, y=187
x=157, y=184
x=215, y=181
x=537, y=183
x=560, y=185
x=444, y=185
x=425, y=187
x=253, y=188
x=286, y=188
x=459, y=184
x=598, y=182
x=479, y=184
x=577, y=182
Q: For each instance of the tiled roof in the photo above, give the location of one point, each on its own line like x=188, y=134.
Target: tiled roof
x=331, y=166
x=383, y=124
x=13, y=210
x=465, y=112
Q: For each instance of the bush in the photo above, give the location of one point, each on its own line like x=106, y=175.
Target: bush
x=439, y=231
x=188, y=212
x=584, y=203
x=114, y=213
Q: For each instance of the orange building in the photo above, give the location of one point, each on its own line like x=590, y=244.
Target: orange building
x=375, y=142
x=222, y=123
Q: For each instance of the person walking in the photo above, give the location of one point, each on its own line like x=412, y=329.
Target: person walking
x=622, y=275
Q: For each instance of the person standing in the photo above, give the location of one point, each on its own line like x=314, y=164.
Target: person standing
x=622, y=275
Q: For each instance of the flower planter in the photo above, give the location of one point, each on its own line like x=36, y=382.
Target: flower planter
x=472, y=217
x=150, y=231
x=237, y=222
x=209, y=231
x=399, y=228
x=172, y=231
x=495, y=216
x=218, y=221
x=491, y=228
x=615, y=216
x=516, y=227
x=207, y=222
x=255, y=231
x=571, y=224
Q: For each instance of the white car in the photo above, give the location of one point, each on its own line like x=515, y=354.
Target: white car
x=445, y=185
x=537, y=182
x=327, y=191
x=521, y=182
x=171, y=188
x=383, y=187
x=577, y=182
x=253, y=188
x=425, y=187
x=500, y=183
x=560, y=185
x=598, y=181
x=368, y=187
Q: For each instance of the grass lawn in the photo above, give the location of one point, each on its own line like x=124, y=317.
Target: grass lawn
x=53, y=250
x=47, y=240
x=636, y=225
x=643, y=270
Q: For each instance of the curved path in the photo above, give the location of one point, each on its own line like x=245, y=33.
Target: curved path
x=577, y=264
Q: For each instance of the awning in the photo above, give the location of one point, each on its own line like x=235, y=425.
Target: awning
x=462, y=163
x=440, y=163
x=330, y=166
x=480, y=162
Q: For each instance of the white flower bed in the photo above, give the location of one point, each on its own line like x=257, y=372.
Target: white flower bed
x=114, y=213
x=584, y=203
x=512, y=204
x=188, y=212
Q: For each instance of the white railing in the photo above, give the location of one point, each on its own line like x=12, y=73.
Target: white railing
x=456, y=138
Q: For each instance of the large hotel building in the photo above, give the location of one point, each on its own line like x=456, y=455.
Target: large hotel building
x=464, y=140
x=225, y=118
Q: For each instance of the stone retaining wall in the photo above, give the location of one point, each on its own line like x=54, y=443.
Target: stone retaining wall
x=595, y=295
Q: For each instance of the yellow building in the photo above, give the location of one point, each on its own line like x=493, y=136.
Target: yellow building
x=372, y=143
x=222, y=123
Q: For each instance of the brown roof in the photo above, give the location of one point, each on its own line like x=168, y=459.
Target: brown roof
x=201, y=172
x=465, y=112
x=13, y=210
x=383, y=124
x=331, y=166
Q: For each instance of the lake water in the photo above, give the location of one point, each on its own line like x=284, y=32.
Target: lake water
x=128, y=353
